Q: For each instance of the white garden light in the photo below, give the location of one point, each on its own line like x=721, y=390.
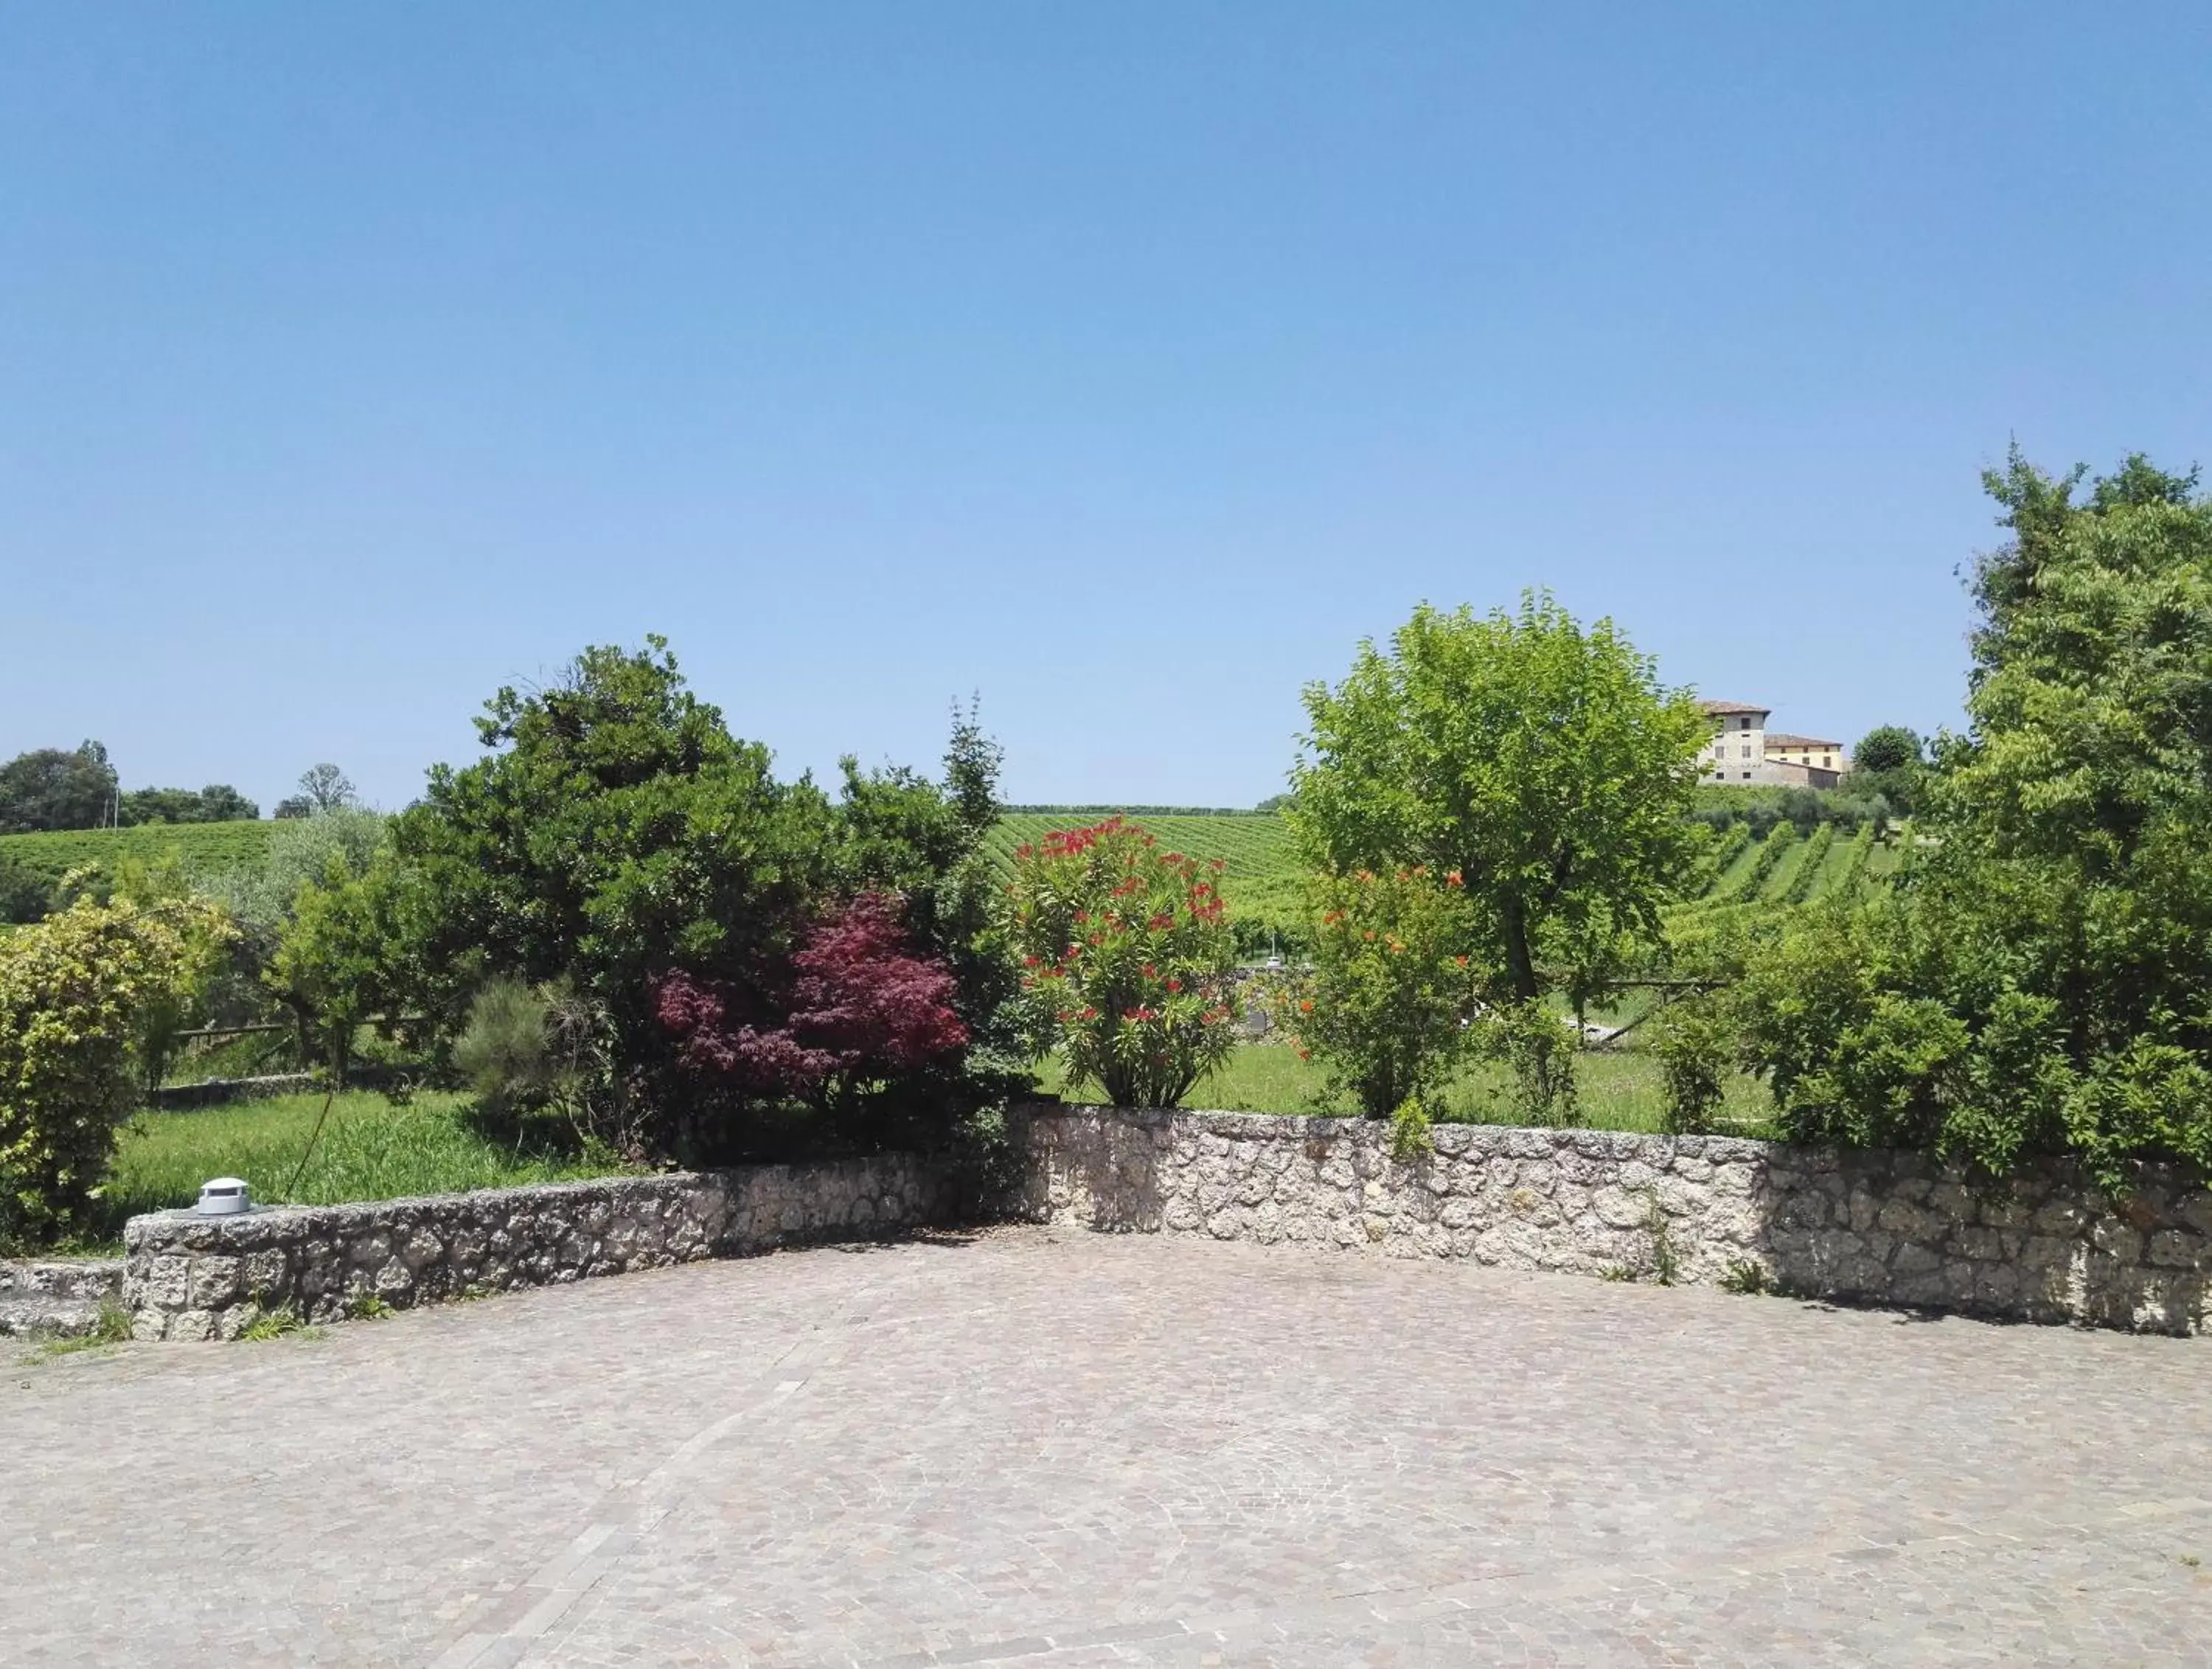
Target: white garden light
x=224, y=1195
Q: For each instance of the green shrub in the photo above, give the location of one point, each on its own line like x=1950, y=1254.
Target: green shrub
x=1692, y=1041
x=504, y=1052
x=73, y=989
x=2041, y=979
x=1409, y=1131
x=26, y=896
x=1385, y=1004
x=1540, y=1049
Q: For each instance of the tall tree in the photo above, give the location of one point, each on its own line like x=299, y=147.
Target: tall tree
x=2045, y=980
x=54, y=788
x=325, y=788
x=1540, y=763
x=1890, y=760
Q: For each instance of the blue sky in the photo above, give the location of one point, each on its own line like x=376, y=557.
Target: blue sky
x=1126, y=364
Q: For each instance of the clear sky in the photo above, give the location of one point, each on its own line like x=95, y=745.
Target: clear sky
x=1125, y=364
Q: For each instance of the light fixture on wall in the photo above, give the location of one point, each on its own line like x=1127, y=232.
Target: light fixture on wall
x=224, y=1195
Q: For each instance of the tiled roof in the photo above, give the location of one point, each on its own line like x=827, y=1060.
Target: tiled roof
x=1782, y=740
x=1718, y=708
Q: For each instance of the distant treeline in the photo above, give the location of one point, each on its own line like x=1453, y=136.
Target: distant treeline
x=1806, y=808
x=48, y=789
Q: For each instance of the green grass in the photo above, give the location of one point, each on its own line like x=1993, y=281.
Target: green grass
x=1619, y=1091
x=369, y=1149
x=203, y=848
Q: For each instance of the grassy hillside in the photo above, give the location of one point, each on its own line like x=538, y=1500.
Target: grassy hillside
x=204, y=848
x=1263, y=882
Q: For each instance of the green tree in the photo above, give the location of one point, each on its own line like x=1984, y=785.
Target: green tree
x=1890, y=760
x=50, y=788
x=2043, y=980
x=25, y=895
x=1887, y=748
x=613, y=830
x=1539, y=763
x=339, y=961
x=216, y=803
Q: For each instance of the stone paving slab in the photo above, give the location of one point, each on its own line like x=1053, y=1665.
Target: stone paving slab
x=1053, y=1447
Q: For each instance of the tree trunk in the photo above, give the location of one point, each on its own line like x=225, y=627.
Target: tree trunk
x=1519, y=963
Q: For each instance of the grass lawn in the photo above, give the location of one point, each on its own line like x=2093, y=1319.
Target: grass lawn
x=369, y=1149
x=1619, y=1091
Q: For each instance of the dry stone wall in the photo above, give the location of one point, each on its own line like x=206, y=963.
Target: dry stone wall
x=1879, y=1228
x=193, y=1277
x=1868, y=1227
x=57, y=1298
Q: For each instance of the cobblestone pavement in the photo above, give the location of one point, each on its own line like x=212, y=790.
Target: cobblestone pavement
x=1050, y=1448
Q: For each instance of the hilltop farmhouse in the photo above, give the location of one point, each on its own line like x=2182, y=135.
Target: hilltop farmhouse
x=1744, y=750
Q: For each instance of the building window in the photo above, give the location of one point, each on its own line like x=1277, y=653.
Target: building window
x=1746, y=751
x=1746, y=776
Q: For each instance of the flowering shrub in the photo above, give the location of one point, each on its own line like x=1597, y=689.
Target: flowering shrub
x=74, y=993
x=1386, y=1003
x=1126, y=954
x=860, y=1009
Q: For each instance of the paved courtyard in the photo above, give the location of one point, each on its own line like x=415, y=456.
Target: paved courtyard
x=1038, y=1448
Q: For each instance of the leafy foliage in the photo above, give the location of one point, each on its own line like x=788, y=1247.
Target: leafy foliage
x=1892, y=761
x=1693, y=1041
x=861, y=1010
x=75, y=991
x=740, y=949
x=1386, y=1003
x=2043, y=980
x=1541, y=761
x=1127, y=953
x=1854, y=806
x=25, y=895
x=216, y=803
x=50, y=788
x=1262, y=874
x=614, y=832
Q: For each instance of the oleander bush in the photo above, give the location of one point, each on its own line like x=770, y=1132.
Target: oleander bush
x=1127, y=955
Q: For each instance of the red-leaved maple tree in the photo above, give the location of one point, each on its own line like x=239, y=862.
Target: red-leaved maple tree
x=860, y=1008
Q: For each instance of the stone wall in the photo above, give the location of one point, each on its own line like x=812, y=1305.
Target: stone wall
x=56, y=1297
x=189, y=1277
x=1878, y=1228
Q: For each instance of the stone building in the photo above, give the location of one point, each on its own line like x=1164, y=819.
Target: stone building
x=1744, y=751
